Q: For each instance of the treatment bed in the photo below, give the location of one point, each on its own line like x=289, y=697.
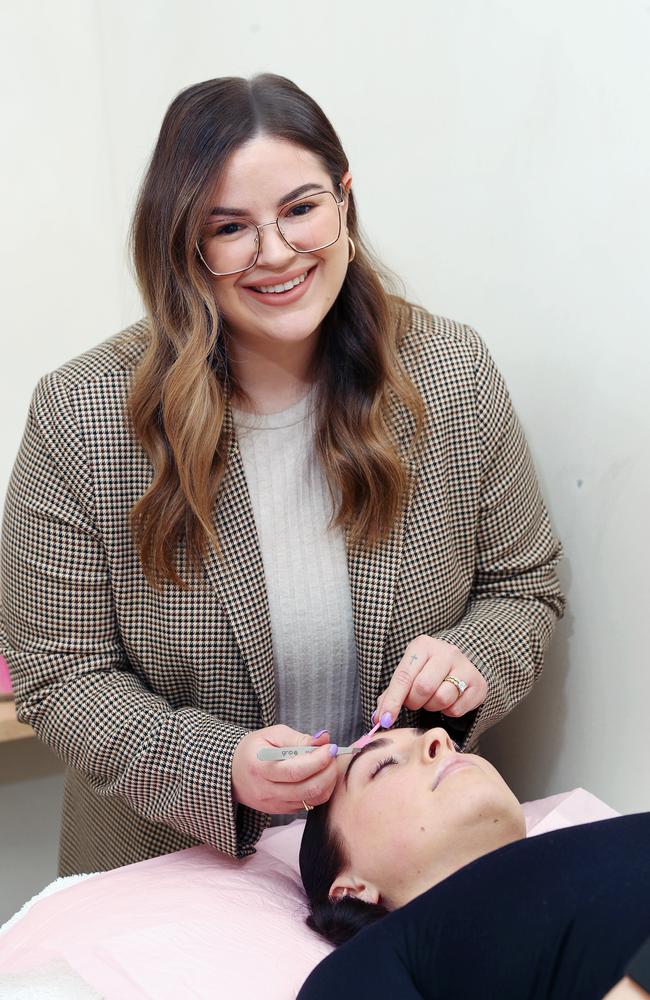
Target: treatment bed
x=193, y=924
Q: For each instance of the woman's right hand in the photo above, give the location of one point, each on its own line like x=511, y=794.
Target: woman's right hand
x=282, y=786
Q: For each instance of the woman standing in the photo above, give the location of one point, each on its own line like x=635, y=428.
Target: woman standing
x=283, y=500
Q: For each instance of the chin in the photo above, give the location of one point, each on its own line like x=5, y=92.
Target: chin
x=490, y=805
x=281, y=325
x=294, y=327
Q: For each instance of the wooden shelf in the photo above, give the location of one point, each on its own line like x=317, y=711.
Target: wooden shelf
x=10, y=728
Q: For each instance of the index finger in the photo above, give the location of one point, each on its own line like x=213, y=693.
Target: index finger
x=396, y=693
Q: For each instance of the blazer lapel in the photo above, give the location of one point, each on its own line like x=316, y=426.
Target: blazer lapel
x=374, y=572
x=239, y=579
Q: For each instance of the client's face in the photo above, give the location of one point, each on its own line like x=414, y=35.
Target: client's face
x=411, y=811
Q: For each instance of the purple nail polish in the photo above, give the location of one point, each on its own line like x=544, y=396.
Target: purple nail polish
x=333, y=749
x=386, y=720
x=319, y=733
x=373, y=718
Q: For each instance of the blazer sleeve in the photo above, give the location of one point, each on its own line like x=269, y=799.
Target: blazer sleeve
x=73, y=683
x=515, y=600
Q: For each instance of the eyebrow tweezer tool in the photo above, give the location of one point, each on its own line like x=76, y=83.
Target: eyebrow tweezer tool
x=285, y=753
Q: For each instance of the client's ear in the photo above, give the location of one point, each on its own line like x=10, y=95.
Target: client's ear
x=346, y=884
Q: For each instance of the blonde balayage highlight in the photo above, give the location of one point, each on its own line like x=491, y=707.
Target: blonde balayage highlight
x=178, y=401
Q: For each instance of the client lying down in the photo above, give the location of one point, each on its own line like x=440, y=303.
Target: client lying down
x=436, y=835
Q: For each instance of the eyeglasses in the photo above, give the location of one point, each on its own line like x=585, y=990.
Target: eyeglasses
x=309, y=224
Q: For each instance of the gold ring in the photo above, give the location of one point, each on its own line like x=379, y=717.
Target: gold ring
x=460, y=685
x=308, y=808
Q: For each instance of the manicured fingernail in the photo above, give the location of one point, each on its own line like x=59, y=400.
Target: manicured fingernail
x=386, y=720
x=319, y=733
x=373, y=718
x=333, y=749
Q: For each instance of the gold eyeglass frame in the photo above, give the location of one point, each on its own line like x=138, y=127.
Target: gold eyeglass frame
x=276, y=222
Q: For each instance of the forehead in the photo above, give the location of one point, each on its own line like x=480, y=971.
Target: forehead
x=268, y=167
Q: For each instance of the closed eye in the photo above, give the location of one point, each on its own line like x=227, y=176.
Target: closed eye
x=386, y=762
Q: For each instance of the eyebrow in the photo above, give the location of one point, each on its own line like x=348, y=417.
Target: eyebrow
x=296, y=193
x=375, y=745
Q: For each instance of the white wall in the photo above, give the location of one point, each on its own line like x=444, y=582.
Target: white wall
x=500, y=156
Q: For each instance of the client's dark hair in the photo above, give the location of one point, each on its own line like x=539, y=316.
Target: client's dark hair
x=323, y=855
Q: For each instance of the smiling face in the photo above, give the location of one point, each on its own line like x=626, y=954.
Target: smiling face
x=411, y=811
x=260, y=179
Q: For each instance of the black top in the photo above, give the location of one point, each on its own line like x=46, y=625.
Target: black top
x=556, y=916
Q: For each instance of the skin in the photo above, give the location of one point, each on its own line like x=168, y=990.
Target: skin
x=627, y=989
x=282, y=786
x=271, y=348
x=404, y=836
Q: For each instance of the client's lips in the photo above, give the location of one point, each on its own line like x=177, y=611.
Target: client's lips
x=453, y=765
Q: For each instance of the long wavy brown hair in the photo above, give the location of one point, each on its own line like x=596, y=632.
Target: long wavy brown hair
x=179, y=396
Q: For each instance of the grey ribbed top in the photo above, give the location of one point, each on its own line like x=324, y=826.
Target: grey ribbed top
x=305, y=566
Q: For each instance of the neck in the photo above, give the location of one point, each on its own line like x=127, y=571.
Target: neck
x=272, y=376
x=479, y=841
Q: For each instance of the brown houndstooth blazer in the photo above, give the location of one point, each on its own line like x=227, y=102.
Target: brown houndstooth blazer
x=145, y=694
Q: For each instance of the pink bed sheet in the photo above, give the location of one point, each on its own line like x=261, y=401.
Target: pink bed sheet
x=197, y=924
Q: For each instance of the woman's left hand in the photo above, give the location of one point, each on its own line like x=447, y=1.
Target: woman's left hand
x=419, y=681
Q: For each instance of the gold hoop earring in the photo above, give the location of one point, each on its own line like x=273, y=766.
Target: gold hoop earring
x=353, y=249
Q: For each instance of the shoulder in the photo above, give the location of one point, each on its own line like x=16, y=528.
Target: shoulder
x=118, y=355
x=104, y=371
x=441, y=353
x=431, y=339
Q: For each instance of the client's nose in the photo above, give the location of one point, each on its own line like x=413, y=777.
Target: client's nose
x=435, y=742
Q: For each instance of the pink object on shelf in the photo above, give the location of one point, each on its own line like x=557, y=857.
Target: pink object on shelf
x=197, y=923
x=5, y=679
